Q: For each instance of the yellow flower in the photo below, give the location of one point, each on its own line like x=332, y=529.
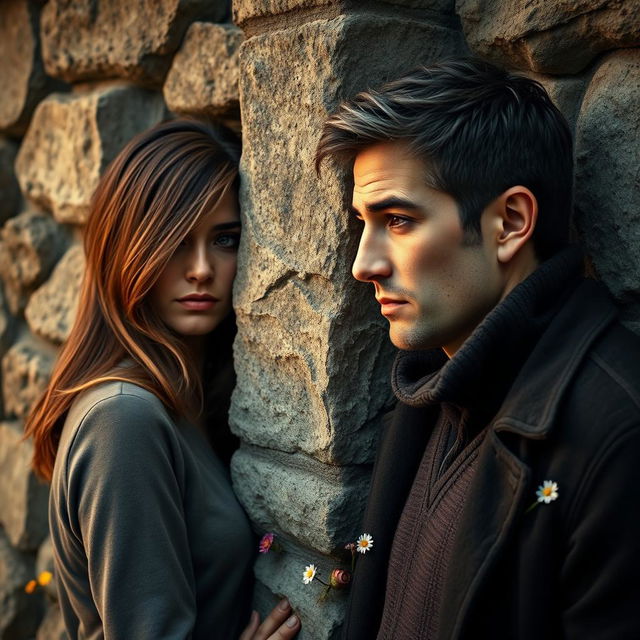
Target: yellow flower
x=45, y=578
x=31, y=586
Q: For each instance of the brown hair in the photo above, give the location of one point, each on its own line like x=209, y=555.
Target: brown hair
x=147, y=201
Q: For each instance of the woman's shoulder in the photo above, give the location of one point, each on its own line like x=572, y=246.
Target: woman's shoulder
x=116, y=412
x=115, y=393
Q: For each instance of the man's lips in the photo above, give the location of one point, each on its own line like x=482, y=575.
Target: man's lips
x=389, y=305
x=197, y=301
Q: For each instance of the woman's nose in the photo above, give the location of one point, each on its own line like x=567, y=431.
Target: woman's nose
x=200, y=268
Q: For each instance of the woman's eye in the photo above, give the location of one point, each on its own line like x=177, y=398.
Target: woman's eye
x=227, y=240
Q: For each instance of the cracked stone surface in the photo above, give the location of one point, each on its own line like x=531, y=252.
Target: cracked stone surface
x=313, y=503
x=307, y=331
x=26, y=368
x=24, y=81
x=23, y=498
x=203, y=79
x=90, y=39
x=608, y=175
x=9, y=189
x=52, y=308
x=30, y=245
x=73, y=137
x=245, y=10
x=548, y=37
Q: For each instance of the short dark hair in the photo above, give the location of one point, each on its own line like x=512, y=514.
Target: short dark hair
x=479, y=130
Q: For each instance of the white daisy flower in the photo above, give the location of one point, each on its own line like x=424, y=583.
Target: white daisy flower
x=547, y=492
x=309, y=573
x=364, y=543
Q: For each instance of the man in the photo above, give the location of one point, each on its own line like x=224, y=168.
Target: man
x=504, y=500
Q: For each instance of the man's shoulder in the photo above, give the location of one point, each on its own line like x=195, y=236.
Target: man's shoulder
x=616, y=354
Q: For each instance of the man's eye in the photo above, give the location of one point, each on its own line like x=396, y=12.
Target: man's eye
x=396, y=221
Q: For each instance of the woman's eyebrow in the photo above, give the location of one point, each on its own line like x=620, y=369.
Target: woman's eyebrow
x=226, y=225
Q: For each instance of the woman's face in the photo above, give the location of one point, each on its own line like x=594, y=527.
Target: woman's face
x=193, y=293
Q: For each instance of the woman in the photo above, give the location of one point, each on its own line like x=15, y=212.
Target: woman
x=149, y=540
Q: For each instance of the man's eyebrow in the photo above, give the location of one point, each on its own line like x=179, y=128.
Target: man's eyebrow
x=392, y=202
x=226, y=225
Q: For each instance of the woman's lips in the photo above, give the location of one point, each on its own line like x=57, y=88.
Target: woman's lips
x=198, y=302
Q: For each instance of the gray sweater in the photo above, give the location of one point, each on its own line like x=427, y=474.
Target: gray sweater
x=149, y=539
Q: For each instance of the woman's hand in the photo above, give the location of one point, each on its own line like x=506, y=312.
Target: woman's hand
x=278, y=625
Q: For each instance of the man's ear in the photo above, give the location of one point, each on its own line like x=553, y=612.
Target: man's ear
x=515, y=213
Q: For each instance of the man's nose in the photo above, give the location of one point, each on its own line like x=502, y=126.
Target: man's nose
x=372, y=261
x=200, y=267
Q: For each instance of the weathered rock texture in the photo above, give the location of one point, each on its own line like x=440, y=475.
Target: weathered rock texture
x=20, y=612
x=307, y=333
x=203, y=79
x=51, y=309
x=72, y=139
x=9, y=189
x=87, y=40
x=24, y=82
x=30, y=244
x=23, y=499
x=278, y=13
x=25, y=372
x=7, y=322
x=608, y=176
x=550, y=37
x=312, y=352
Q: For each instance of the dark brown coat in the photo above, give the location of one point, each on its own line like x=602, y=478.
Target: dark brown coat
x=568, y=569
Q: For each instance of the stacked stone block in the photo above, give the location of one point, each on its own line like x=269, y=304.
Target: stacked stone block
x=312, y=355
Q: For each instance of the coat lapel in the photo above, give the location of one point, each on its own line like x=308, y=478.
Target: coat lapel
x=496, y=499
x=491, y=508
x=400, y=451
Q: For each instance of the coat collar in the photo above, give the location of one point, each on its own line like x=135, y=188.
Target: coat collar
x=502, y=478
x=532, y=403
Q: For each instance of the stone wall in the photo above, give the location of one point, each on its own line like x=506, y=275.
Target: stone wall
x=80, y=78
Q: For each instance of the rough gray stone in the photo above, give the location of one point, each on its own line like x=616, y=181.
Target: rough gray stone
x=308, y=334
x=281, y=574
x=23, y=499
x=7, y=323
x=26, y=368
x=73, y=137
x=20, y=613
x=244, y=10
x=89, y=39
x=52, y=308
x=548, y=37
x=9, y=189
x=24, y=82
x=318, y=505
x=203, y=79
x=286, y=11
x=608, y=175
x=566, y=93
x=30, y=244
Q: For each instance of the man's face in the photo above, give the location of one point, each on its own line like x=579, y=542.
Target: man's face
x=432, y=288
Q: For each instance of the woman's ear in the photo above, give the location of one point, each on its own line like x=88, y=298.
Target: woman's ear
x=515, y=214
